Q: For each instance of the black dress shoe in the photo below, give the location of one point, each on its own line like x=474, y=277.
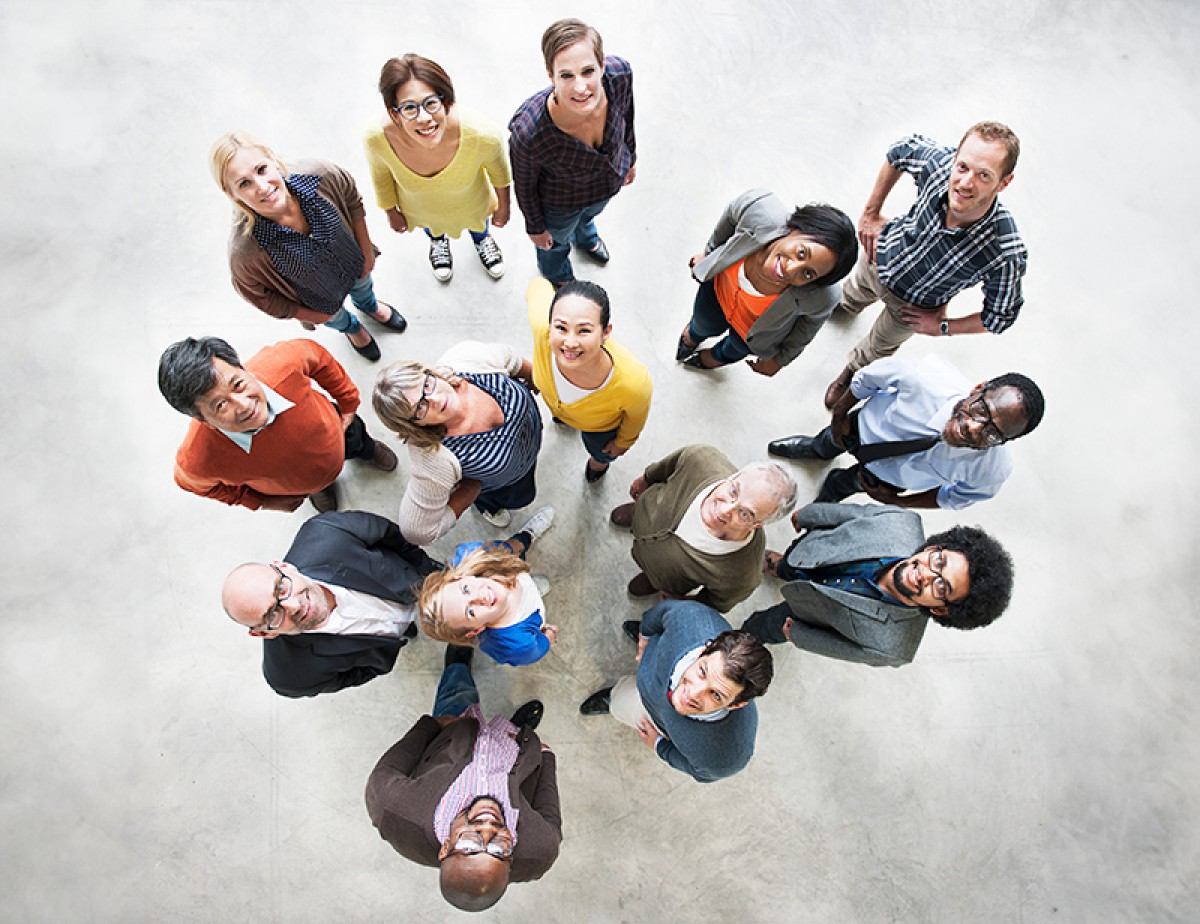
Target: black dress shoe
x=597, y=703
x=369, y=351
x=632, y=629
x=599, y=253
x=794, y=447
x=696, y=361
x=592, y=475
x=529, y=715
x=395, y=320
x=838, y=485
x=683, y=349
x=456, y=654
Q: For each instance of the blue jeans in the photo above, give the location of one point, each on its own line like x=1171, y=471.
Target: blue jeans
x=594, y=443
x=362, y=296
x=510, y=497
x=708, y=320
x=455, y=692
x=578, y=228
x=476, y=236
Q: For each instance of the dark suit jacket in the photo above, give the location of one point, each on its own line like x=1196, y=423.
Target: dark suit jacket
x=363, y=552
x=843, y=625
x=409, y=781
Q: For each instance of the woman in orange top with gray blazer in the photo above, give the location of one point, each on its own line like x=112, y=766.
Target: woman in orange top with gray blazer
x=768, y=281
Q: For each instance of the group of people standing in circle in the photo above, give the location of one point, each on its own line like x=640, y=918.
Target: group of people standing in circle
x=336, y=609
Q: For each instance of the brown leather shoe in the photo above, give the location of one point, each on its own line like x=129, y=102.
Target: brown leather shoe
x=383, y=458
x=838, y=387
x=640, y=586
x=326, y=499
x=622, y=516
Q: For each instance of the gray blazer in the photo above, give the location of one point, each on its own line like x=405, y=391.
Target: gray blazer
x=843, y=625
x=749, y=223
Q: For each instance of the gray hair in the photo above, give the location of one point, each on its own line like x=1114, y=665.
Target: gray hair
x=780, y=483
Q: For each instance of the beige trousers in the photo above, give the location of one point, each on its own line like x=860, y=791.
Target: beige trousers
x=625, y=702
x=862, y=288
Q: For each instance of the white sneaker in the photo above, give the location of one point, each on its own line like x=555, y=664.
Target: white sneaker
x=490, y=256
x=499, y=519
x=542, y=583
x=538, y=523
x=440, y=259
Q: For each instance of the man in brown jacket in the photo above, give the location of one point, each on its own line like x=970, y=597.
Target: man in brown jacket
x=476, y=798
x=697, y=525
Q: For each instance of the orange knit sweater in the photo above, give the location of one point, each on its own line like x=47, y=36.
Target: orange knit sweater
x=299, y=452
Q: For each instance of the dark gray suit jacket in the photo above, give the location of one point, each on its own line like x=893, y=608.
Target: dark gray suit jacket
x=361, y=551
x=843, y=625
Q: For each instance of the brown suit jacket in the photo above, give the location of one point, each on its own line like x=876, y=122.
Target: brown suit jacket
x=409, y=781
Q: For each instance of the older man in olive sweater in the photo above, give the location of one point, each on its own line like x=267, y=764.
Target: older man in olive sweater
x=697, y=525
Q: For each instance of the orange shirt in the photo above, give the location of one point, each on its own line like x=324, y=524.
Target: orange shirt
x=741, y=308
x=299, y=452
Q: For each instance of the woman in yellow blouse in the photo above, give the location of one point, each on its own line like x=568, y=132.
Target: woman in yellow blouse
x=437, y=167
x=589, y=381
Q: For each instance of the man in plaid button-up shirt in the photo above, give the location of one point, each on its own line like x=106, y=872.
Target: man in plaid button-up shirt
x=956, y=235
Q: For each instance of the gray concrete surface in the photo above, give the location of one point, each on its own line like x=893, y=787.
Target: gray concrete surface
x=1043, y=769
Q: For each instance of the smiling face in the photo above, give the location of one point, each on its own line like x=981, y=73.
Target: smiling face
x=704, y=688
x=796, y=260
x=932, y=578
x=737, y=505
x=237, y=403
x=984, y=418
x=257, y=597
x=427, y=129
x=975, y=179
x=576, y=77
x=576, y=337
x=471, y=604
x=255, y=181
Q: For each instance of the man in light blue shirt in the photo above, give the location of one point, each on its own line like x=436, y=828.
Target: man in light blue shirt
x=922, y=436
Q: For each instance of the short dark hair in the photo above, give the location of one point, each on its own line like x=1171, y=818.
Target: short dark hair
x=588, y=290
x=563, y=34
x=1031, y=397
x=399, y=71
x=832, y=228
x=186, y=374
x=989, y=571
x=747, y=662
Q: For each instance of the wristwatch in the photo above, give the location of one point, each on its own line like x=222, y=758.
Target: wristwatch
x=945, y=328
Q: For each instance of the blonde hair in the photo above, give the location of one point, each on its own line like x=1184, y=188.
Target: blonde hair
x=393, y=409
x=219, y=157
x=499, y=564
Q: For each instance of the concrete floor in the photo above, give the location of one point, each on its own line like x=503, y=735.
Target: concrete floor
x=1043, y=769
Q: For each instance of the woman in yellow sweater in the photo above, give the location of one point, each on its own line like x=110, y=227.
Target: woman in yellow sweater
x=589, y=381
x=437, y=167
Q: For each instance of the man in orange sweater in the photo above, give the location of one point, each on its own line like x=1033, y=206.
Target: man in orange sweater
x=263, y=437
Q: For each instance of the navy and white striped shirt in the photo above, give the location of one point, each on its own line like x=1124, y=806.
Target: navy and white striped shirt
x=324, y=264
x=552, y=171
x=927, y=264
x=503, y=456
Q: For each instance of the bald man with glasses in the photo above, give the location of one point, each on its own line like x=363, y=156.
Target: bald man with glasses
x=337, y=609
x=697, y=525
x=921, y=435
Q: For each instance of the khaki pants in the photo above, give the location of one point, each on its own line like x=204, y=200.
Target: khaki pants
x=888, y=333
x=625, y=702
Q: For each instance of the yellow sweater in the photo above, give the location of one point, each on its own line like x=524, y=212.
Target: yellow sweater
x=622, y=404
x=458, y=197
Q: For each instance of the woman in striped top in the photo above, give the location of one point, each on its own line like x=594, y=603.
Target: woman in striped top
x=473, y=433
